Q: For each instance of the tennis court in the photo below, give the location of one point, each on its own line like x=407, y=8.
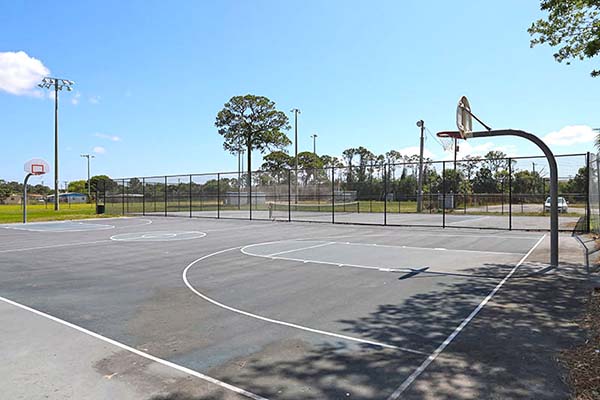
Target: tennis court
x=260, y=309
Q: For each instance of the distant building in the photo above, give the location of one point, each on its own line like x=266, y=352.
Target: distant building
x=69, y=198
x=15, y=198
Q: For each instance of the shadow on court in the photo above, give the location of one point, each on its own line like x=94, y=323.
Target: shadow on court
x=508, y=351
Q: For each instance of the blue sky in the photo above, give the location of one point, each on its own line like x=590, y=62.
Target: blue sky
x=151, y=76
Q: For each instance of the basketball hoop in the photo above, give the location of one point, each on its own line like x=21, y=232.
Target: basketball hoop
x=36, y=166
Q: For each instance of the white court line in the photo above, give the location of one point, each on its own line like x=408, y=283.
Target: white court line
x=425, y=248
x=24, y=227
x=276, y=321
x=147, y=236
x=55, y=245
x=468, y=220
x=300, y=249
x=398, y=392
x=138, y=352
x=371, y=245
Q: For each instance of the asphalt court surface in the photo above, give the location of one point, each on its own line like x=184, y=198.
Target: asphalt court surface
x=281, y=310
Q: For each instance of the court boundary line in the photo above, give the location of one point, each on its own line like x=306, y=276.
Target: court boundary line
x=140, y=353
x=412, y=377
x=276, y=321
x=55, y=245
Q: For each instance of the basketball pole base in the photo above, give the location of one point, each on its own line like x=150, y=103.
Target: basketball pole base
x=25, y=197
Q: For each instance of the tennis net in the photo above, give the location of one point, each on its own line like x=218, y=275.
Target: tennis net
x=284, y=210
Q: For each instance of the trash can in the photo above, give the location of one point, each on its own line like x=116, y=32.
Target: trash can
x=100, y=208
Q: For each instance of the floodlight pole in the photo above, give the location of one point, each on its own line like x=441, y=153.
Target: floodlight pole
x=58, y=84
x=56, y=198
x=296, y=111
x=420, y=124
x=314, y=138
x=88, y=156
x=553, y=181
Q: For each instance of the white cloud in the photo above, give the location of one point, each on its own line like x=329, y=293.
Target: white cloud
x=20, y=73
x=571, y=135
x=75, y=98
x=94, y=99
x=99, y=150
x=113, y=138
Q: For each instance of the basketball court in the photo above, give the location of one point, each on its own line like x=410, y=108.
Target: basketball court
x=262, y=309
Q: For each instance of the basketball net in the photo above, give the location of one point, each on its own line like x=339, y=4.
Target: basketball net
x=447, y=143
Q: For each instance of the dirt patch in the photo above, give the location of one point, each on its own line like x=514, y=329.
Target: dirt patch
x=583, y=361
x=156, y=382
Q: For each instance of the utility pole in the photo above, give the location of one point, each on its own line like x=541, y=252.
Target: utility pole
x=88, y=156
x=58, y=84
x=314, y=138
x=455, y=152
x=420, y=124
x=296, y=111
x=534, y=178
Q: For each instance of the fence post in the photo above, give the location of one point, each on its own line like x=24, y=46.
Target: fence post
x=598, y=179
x=143, y=196
x=250, y=192
x=385, y=190
x=289, y=195
x=123, y=196
x=166, y=197
x=510, y=194
x=587, y=192
x=190, y=196
x=443, y=194
x=218, y=195
x=333, y=195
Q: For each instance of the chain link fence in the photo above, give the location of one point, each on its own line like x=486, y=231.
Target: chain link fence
x=502, y=193
x=594, y=192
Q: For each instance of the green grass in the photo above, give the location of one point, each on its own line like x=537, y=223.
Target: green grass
x=40, y=212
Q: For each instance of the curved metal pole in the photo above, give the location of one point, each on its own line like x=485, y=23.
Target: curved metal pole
x=553, y=182
x=25, y=198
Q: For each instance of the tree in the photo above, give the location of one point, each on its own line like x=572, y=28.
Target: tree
x=348, y=156
x=365, y=158
x=277, y=161
x=309, y=164
x=391, y=158
x=484, y=182
x=578, y=184
x=331, y=162
x=469, y=165
x=495, y=161
x=452, y=180
x=277, y=164
x=102, y=183
x=252, y=122
x=573, y=25
x=77, y=186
